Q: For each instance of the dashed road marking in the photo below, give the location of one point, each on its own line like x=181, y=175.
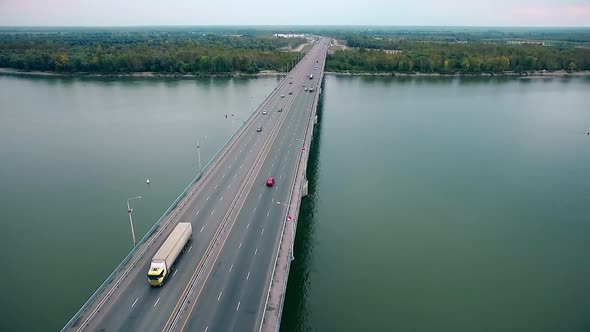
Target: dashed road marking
x=134, y=302
x=219, y=295
x=262, y=231
x=240, y=245
x=212, y=212
x=220, y=198
x=173, y=274
x=238, y=307
x=197, y=213
x=248, y=276
x=255, y=252
x=189, y=249
x=202, y=229
x=155, y=304
x=207, y=198
x=231, y=267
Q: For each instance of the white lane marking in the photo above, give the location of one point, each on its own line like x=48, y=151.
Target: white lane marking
x=207, y=198
x=212, y=212
x=230, y=164
x=271, y=165
x=207, y=328
x=277, y=188
x=197, y=213
x=189, y=249
x=220, y=198
x=281, y=176
x=241, y=165
x=219, y=295
x=283, y=166
x=267, y=213
x=235, y=175
x=248, y=276
x=241, y=150
x=155, y=304
x=259, y=196
x=273, y=200
x=229, y=185
x=231, y=267
x=248, y=226
x=238, y=307
x=202, y=229
x=255, y=252
x=173, y=274
x=216, y=185
x=240, y=245
x=254, y=210
x=262, y=231
x=134, y=302
x=250, y=150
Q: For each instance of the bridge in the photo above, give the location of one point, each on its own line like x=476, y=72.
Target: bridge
x=233, y=276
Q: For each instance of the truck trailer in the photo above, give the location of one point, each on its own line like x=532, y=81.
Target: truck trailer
x=166, y=256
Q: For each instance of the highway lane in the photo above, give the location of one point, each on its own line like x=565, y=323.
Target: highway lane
x=135, y=304
x=235, y=291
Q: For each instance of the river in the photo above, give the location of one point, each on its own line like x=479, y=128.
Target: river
x=435, y=204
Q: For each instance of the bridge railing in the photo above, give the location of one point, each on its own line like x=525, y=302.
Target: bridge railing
x=72, y=322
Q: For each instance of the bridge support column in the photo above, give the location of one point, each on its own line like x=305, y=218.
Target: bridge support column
x=305, y=189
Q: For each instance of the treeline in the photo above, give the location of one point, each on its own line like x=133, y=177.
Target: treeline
x=160, y=52
x=369, y=55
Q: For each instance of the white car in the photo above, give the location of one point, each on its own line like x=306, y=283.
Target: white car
x=264, y=112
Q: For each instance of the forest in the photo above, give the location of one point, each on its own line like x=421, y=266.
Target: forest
x=114, y=52
x=368, y=54
x=220, y=50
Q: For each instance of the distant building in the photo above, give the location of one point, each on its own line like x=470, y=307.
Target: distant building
x=525, y=42
x=289, y=35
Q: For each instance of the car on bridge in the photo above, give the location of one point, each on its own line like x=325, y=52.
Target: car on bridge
x=264, y=112
x=282, y=96
x=259, y=128
x=290, y=92
x=270, y=182
x=280, y=109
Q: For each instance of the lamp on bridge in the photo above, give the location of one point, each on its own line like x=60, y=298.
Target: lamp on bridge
x=129, y=212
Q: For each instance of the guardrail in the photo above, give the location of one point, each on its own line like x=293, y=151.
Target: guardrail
x=70, y=324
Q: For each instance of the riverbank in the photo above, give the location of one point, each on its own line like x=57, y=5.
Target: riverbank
x=12, y=71
x=264, y=73
x=531, y=74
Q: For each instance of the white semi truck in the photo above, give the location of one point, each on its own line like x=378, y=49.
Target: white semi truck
x=170, y=250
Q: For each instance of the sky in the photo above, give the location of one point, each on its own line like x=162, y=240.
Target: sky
x=538, y=13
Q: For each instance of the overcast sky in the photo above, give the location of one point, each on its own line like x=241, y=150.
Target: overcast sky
x=295, y=12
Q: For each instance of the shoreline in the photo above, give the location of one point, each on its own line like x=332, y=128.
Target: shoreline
x=267, y=73
x=533, y=74
x=12, y=71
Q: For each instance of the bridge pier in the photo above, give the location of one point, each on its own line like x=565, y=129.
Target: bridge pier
x=304, y=191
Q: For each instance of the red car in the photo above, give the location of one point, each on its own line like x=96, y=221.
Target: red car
x=270, y=182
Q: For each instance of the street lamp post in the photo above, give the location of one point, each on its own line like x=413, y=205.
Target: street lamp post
x=199, y=155
x=129, y=212
x=292, y=237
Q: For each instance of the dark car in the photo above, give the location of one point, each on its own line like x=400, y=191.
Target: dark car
x=270, y=182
